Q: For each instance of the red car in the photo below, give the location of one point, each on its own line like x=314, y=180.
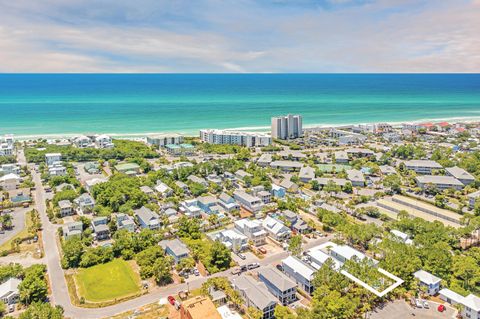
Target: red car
x=171, y=300
x=441, y=308
x=262, y=250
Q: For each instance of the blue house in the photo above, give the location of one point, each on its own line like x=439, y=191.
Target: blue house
x=175, y=248
x=278, y=191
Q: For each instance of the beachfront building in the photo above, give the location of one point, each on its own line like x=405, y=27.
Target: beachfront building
x=162, y=140
x=248, y=139
x=103, y=141
x=7, y=145
x=180, y=149
x=287, y=127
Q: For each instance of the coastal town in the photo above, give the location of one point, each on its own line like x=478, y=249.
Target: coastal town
x=376, y=221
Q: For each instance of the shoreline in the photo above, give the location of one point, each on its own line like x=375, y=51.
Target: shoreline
x=260, y=129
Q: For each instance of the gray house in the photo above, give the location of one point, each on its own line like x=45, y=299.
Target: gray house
x=256, y=295
x=278, y=284
x=147, y=218
x=175, y=248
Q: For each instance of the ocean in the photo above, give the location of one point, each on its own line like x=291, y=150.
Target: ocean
x=134, y=104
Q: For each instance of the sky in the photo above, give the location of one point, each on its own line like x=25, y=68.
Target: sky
x=239, y=36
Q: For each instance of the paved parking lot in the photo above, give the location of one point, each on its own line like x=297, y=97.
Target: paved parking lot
x=399, y=309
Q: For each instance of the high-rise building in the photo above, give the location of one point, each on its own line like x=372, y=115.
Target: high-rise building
x=287, y=127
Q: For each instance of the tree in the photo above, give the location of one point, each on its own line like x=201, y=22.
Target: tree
x=33, y=287
x=348, y=187
x=40, y=310
x=162, y=270
x=283, y=312
x=72, y=252
x=393, y=182
x=295, y=245
x=3, y=308
x=185, y=263
x=254, y=313
x=189, y=228
x=220, y=256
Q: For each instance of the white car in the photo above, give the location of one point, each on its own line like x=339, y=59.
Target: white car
x=418, y=303
x=426, y=305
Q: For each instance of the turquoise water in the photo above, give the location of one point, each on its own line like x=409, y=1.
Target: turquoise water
x=146, y=103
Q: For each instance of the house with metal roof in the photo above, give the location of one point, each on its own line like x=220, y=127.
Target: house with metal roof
x=175, y=248
x=9, y=293
x=299, y=272
x=276, y=229
x=146, y=218
x=256, y=295
x=459, y=173
x=279, y=285
x=431, y=282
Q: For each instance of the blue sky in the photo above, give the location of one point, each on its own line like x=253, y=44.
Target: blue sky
x=240, y=36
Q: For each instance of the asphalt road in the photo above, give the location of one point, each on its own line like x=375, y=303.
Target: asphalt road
x=60, y=294
x=18, y=222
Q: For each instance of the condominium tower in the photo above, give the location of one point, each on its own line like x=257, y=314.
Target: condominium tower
x=287, y=127
x=249, y=139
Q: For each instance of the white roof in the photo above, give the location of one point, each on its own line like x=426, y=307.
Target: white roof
x=472, y=302
x=300, y=267
x=347, y=252
x=8, y=287
x=319, y=257
x=426, y=277
x=400, y=234
x=226, y=313
x=452, y=295
x=9, y=177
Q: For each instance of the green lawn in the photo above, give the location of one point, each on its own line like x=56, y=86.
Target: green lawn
x=109, y=281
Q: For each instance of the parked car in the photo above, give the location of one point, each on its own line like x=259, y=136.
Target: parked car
x=242, y=256
x=253, y=265
x=426, y=305
x=236, y=271
x=418, y=303
x=196, y=272
x=171, y=300
x=11, y=308
x=279, y=267
x=243, y=268
x=262, y=250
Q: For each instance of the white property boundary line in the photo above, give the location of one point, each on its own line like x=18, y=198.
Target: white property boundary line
x=397, y=283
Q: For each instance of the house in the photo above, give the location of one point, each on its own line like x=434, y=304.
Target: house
x=265, y=196
x=459, y=173
x=66, y=208
x=163, y=189
x=51, y=158
x=401, y=236
x=387, y=170
x=264, y=160
x=125, y=221
x=228, y=313
x=356, y=177
x=341, y=157
x=207, y=204
x=440, y=182
x=57, y=169
x=241, y=174
x=103, y=141
x=253, y=229
x=100, y=228
x=94, y=181
x=472, y=199
x=227, y=202
x=198, y=180
x=431, y=282
x=232, y=239
x=128, y=168
x=470, y=304
x=422, y=166
x=248, y=202
x=279, y=285
x=92, y=168
x=9, y=291
x=256, y=295
x=287, y=166
x=306, y=174
x=84, y=203
x=344, y=252
x=72, y=229
x=199, y=307
x=172, y=215
x=301, y=273
x=175, y=248
x=10, y=181
x=82, y=141
x=289, y=186
x=147, y=218
x=190, y=208
x=276, y=229
x=182, y=186
x=147, y=190
x=278, y=191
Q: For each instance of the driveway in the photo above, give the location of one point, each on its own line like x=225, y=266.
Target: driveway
x=399, y=309
x=18, y=222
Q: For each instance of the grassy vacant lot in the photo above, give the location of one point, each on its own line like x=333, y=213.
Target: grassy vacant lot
x=109, y=281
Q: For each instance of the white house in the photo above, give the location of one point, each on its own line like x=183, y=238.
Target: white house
x=431, y=282
x=9, y=291
x=470, y=303
x=10, y=181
